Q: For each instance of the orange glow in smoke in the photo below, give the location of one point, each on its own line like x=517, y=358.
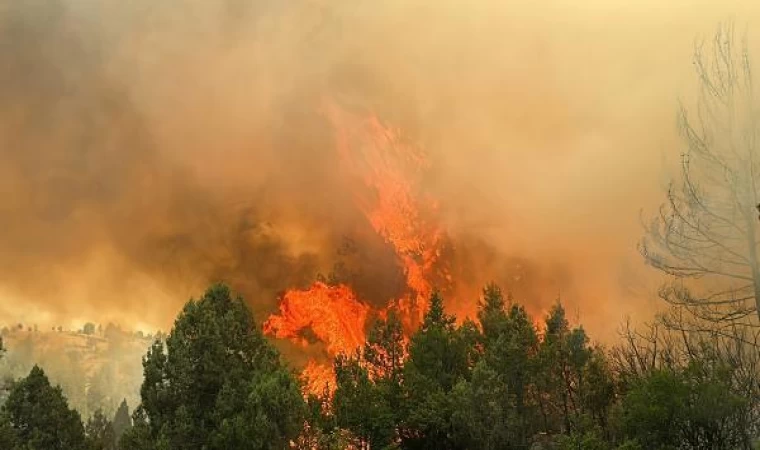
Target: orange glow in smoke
x=387, y=171
x=390, y=169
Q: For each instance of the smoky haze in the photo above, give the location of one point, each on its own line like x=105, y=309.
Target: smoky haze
x=149, y=148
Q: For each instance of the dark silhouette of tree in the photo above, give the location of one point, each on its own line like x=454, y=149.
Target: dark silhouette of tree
x=89, y=328
x=122, y=422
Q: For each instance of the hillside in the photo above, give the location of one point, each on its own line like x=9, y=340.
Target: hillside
x=96, y=367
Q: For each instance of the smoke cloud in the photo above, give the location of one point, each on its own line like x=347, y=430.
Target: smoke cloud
x=149, y=148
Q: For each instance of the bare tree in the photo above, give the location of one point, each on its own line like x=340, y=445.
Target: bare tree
x=705, y=235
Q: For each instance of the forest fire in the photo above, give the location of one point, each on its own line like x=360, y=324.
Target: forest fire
x=387, y=172
x=332, y=313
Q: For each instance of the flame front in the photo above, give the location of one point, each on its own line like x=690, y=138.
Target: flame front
x=392, y=201
x=334, y=316
x=332, y=313
x=387, y=171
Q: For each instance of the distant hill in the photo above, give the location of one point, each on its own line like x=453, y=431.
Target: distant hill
x=96, y=366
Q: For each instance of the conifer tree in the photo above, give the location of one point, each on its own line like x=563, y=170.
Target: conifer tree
x=216, y=383
x=122, y=422
x=100, y=432
x=37, y=416
x=440, y=357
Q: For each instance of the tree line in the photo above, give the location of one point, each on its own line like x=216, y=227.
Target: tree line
x=501, y=382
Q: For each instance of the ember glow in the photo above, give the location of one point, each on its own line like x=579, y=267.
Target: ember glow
x=387, y=170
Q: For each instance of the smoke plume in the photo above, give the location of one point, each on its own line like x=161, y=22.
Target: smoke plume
x=149, y=148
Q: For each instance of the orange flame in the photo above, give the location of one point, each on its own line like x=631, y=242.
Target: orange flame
x=332, y=313
x=389, y=167
x=388, y=170
x=318, y=378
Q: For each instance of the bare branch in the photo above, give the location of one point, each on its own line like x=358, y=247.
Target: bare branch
x=705, y=233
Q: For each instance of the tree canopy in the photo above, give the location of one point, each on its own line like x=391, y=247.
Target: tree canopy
x=36, y=416
x=507, y=381
x=216, y=383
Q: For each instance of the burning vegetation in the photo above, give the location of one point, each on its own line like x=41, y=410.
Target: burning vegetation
x=359, y=171
x=386, y=170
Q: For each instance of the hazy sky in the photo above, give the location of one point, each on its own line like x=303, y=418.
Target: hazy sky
x=147, y=148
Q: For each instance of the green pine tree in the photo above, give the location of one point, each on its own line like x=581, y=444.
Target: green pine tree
x=216, y=383
x=100, y=432
x=36, y=416
x=368, y=397
x=440, y=357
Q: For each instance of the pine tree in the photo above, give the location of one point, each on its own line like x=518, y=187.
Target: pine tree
x=438, y=352
x=121, y=420
x=38, y=417
x=492, y=313
x=562, y=357
x=440, y=357
x=100, y=432
x=496, y=408
x=360, y=406
x=368, y=397
x=216, y=383
x=385, y=350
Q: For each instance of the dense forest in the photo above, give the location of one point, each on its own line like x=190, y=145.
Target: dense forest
x=507, y=381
